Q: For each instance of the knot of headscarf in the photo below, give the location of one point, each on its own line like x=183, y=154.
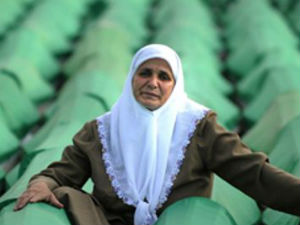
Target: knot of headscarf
x=144, y=215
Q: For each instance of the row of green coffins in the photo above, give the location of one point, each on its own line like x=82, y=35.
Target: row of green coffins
x=96, y=72
x=85, y=96
x=11, y=11
x=274, y=75
x=198, y=44
x=93, y=83
x=28, y=64
x=109, y=42
x=53, y=21
x=262, y=26
x=266, y=66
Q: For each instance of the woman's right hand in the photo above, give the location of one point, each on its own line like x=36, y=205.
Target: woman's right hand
x=37, y=192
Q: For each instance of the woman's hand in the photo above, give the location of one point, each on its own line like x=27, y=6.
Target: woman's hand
x=37, y=192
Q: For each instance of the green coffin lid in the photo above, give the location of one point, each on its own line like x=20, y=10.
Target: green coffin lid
x=188, y=32
x=232, y=199
x=294, y=18
x=52, y=39
x=195, y=211
x=10, y=10
x=264, y=134
x=60, y=129
x=33, y=214
x=277, y=83
x=59, y=14
x=94, y=84
x=18, y=111
x=228, y=113
x=283, y=60
x=286, y=152
x=103, y=44
x=9, y=142
x=12, y=176
x=39, y=162
x=244, y=59
x=24, y=43
x=32, y=84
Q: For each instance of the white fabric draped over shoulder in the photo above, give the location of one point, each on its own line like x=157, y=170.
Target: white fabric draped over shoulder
x=142, y=149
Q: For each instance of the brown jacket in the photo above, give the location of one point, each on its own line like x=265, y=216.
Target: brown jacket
x=211, y=149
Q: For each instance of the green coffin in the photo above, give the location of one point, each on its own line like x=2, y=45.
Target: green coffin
x=195, y=211
x=264, y=134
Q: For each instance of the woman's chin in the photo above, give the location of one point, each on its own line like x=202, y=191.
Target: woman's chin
x=150, y=106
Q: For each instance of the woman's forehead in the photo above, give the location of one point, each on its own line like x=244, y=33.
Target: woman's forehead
x=156, y=62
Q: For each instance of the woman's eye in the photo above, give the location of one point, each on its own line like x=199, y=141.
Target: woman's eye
x=164, y=76
x=145, y=73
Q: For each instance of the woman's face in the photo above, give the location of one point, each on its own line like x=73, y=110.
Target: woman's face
x=153, y=83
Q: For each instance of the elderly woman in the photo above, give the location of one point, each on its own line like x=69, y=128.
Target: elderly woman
x=153, y=148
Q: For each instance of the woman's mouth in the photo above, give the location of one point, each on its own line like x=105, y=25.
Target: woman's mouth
x=150, y=94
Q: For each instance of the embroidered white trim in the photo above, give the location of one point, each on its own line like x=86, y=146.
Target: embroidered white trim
x=103, y=132
x=174, y=171
x=173, y=168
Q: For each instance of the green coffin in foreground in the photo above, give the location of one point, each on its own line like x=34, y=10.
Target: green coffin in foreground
x=232, y=199
x=195, y=211
x=39, y=162
x=33, y=214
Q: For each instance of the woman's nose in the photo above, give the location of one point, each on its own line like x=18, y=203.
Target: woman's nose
x=153, y=82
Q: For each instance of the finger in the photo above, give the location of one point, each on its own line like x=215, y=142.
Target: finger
x=38, y=198
x=22, y=202
x=53, y=200
x=17, y=205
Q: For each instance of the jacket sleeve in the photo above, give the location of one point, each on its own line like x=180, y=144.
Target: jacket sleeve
x=74, y=167
x=226, y=155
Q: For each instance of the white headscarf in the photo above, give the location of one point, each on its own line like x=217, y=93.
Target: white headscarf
x=143, y=149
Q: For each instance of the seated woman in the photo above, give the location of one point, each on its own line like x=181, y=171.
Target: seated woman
x=155, y=147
